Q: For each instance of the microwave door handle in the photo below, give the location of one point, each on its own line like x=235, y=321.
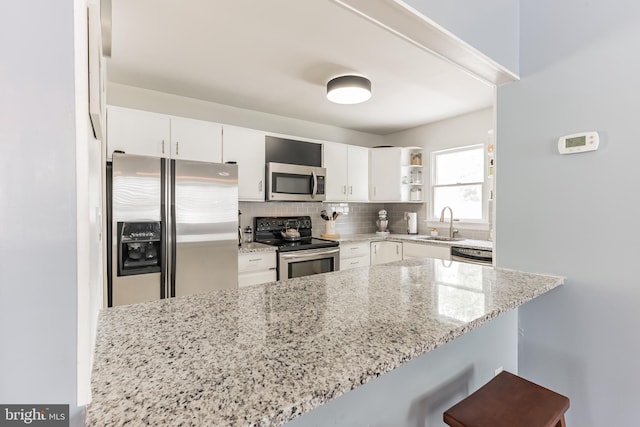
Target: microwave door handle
x=314, y=183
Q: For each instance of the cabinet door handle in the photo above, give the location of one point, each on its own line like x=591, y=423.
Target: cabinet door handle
x=344, y=189
x=177, y=148
x=397, y=250
x=351, y=189
x=260, y=186
x=163, y=146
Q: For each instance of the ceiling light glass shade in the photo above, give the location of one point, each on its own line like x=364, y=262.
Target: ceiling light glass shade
x=348, y=89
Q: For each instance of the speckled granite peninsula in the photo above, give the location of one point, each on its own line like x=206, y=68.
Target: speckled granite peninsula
x=262, y=355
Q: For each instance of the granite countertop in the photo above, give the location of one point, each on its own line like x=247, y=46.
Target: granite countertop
x=264, y=354
x=467, y=243
x=254, y=247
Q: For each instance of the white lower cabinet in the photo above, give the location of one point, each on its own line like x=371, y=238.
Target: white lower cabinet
x=421, y=250
x=256, y=267
x=354, y=255
x=385, y=251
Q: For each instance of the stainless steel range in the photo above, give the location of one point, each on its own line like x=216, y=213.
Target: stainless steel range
x=299, y=254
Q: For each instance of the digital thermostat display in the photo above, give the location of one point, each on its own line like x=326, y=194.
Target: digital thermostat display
x=578, y=143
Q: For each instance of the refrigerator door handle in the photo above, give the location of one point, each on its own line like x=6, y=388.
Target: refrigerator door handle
x=172, y=241
x=163, y=222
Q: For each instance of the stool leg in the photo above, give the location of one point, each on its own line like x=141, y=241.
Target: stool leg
x=561, y=423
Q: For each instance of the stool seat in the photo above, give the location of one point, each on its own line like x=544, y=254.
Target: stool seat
x=509, y=401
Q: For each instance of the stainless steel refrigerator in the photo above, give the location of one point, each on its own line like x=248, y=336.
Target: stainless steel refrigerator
x=173, y=228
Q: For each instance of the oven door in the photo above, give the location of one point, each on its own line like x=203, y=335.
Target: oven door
x=308, y=261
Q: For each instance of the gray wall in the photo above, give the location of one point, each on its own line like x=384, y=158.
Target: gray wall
x=570, y=215
x=416, y=393
x=38, y=236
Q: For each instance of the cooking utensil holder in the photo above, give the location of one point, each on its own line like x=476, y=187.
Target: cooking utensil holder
x=330, y=227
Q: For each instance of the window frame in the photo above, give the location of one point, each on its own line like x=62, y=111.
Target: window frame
x=432, y=218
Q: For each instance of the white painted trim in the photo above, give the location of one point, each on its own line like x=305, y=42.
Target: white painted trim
x=408, y=23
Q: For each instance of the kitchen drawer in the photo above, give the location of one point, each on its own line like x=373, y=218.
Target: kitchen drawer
x=255, y=277
x=350, y=250
x=256, y=261
x=353, y=262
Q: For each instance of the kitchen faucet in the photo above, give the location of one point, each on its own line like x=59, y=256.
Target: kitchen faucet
x=451, y=231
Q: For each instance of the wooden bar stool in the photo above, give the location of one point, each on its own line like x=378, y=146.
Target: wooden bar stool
x=509, y=401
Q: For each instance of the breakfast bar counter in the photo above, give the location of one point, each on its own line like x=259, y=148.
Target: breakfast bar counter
x=265, y=354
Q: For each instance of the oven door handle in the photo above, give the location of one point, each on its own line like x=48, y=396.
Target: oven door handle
x=309, y=254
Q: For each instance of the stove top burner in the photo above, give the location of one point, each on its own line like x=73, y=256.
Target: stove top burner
x=268, y=231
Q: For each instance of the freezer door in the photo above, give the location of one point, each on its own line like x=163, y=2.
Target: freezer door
x=136, y=195
x=204, y=213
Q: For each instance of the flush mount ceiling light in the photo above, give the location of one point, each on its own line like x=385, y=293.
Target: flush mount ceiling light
x=348, y=89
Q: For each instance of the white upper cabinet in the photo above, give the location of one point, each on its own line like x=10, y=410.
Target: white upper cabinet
x=246, y=148
x=335, y=162
x=196, y=140
x=358, y=171
x=396, y=174
x=137, y=132
x=159, y=135
x=385, y=175
x=347, y=172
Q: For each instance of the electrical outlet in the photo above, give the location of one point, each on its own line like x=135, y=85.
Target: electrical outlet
x=497, y=371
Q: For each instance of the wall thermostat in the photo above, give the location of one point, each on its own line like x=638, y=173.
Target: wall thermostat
x=578, y=142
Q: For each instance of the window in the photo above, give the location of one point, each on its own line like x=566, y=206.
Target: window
x=457, y=180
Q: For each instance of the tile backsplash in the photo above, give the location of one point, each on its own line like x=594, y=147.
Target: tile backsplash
x=355, y=218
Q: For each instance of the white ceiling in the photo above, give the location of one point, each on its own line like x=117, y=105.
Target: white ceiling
x=276, y=56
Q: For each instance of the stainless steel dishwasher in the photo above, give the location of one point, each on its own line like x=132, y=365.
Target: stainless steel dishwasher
x=472, y=255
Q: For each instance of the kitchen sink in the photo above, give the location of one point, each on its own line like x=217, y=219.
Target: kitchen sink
x=441, y=238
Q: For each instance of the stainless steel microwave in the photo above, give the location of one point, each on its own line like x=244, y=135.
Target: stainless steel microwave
x=295, y=183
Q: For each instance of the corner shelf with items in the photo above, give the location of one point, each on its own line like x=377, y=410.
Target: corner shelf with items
x=413, y=174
